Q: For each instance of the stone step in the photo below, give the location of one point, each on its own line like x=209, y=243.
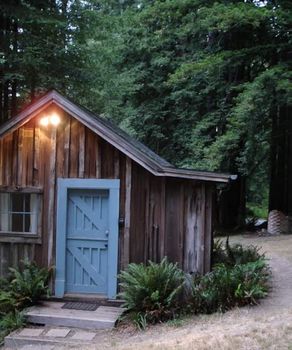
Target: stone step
x=51, y=313
x=48, y=338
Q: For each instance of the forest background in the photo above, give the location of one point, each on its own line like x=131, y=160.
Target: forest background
x=205, y=84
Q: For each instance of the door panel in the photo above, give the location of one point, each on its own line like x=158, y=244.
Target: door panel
x=87, y=241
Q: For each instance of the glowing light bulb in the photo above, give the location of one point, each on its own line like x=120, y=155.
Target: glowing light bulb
x=55, y=119
x=44, y=121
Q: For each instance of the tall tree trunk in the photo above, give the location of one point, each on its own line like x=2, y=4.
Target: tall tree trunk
x=232, y=204
x=281, y=161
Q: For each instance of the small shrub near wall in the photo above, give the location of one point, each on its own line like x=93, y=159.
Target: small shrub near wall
x=159, y=292
x=152, y=293
x=24, y=288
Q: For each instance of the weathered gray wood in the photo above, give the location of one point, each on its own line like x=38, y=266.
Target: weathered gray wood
x=36, y=153
x=81, y=166
x=51, y=199
x=98, y=159
x=190, y=256
x=201, y=229
x=14, y=155
x=208, y=229
x=20, y=189
x=116, y=164
x=19, y=239
x=126, y=242
x=67, y=133
x=20, y=158
x=161, y=228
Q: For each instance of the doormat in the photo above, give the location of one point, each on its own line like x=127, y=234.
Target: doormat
x=73, y=305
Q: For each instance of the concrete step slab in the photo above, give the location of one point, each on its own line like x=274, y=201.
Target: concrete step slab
x=51, y=313
x=47, y=338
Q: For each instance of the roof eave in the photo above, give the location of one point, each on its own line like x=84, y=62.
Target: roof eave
x=116, y=140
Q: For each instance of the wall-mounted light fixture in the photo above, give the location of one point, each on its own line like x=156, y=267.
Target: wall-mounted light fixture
x=52, y=119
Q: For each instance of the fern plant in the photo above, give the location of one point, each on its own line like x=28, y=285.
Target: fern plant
x=229, y=286
x=29, y=284
x=234, y=254
x=152, y=293
x=24, y=288
x=9, y=322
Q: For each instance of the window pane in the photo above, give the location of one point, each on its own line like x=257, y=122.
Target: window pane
x=27, y=223
x=16, y=202
x=4, y=207
x=19, y=212
x=16, y=223
x=27, y=202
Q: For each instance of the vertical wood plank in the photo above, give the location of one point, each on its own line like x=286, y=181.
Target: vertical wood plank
x=20, y=157
x=24, y=155
x=67, y=136
x=148, y=229
x=191, y=230
x=162, y=235
x=51, y=200
x=116, y=164
x=29, y=133
x=201, y=229
x=74, y=144
x=97, y=148
x=208, y=228
x=174, y=221
x=60, y=150
x=81, y=165
x=14, y=156
x=128, y=194
x=36, y=152
x=7, y=159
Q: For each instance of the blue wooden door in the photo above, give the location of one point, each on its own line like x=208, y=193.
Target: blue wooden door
x=87, y=241
x=87, y=237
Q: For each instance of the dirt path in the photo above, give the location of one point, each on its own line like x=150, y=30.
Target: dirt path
x=266, y=326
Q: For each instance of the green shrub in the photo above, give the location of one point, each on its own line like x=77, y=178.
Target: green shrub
x=229, y=286
x=24, y=287
x=160, y=292
x=29, y=284
x=152, y=293
x=9, y=322
x=234, y=254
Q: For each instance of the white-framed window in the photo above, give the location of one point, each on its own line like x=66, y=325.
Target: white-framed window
x=19, y=212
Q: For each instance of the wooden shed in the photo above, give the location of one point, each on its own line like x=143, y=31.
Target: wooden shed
x=78, y=193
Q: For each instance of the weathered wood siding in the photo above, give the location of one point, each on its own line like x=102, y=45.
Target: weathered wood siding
x=171, y=218
x=159, y=216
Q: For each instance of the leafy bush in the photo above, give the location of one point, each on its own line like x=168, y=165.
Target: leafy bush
x=24, y=287
x=9, y=322
x=235, y=254
x=152, y=293
x=160, y=292
x=229, y=286
x=29, y=284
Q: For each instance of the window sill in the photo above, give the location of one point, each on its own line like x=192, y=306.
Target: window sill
x=16, y=237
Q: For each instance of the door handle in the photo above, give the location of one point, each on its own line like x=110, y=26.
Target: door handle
x=106, y=245
x=107, y=233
